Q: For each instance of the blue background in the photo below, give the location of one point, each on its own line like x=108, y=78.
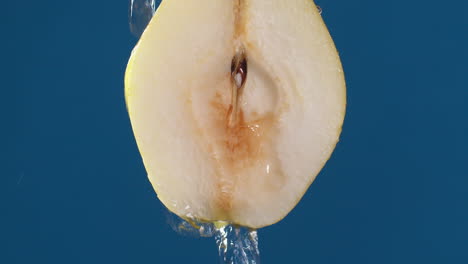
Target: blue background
x=73, y=188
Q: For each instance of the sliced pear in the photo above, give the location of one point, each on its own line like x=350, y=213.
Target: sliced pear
x=236, y=105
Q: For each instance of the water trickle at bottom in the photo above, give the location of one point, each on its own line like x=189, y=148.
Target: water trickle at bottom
x=236, y=245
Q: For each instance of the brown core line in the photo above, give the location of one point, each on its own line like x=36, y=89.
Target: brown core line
x=238, y=70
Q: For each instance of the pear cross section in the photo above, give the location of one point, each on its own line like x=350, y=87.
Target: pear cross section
x=236, y=106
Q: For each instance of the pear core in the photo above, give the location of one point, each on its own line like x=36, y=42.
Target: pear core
x=236, y=106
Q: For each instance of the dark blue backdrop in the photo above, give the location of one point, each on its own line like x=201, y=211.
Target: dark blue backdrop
x=74, y=190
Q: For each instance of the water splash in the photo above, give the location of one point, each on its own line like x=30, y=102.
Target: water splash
x=140, y=14
x=236, y=245
x=190, y=228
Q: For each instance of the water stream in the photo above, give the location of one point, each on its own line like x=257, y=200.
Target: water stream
x=236, y=245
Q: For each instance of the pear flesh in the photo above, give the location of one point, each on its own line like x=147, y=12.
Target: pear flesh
x=236, y=105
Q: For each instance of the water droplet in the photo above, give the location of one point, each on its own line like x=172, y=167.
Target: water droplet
x=190, y=228
x=319, y=10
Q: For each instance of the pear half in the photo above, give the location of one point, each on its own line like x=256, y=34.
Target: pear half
x=236, y=105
